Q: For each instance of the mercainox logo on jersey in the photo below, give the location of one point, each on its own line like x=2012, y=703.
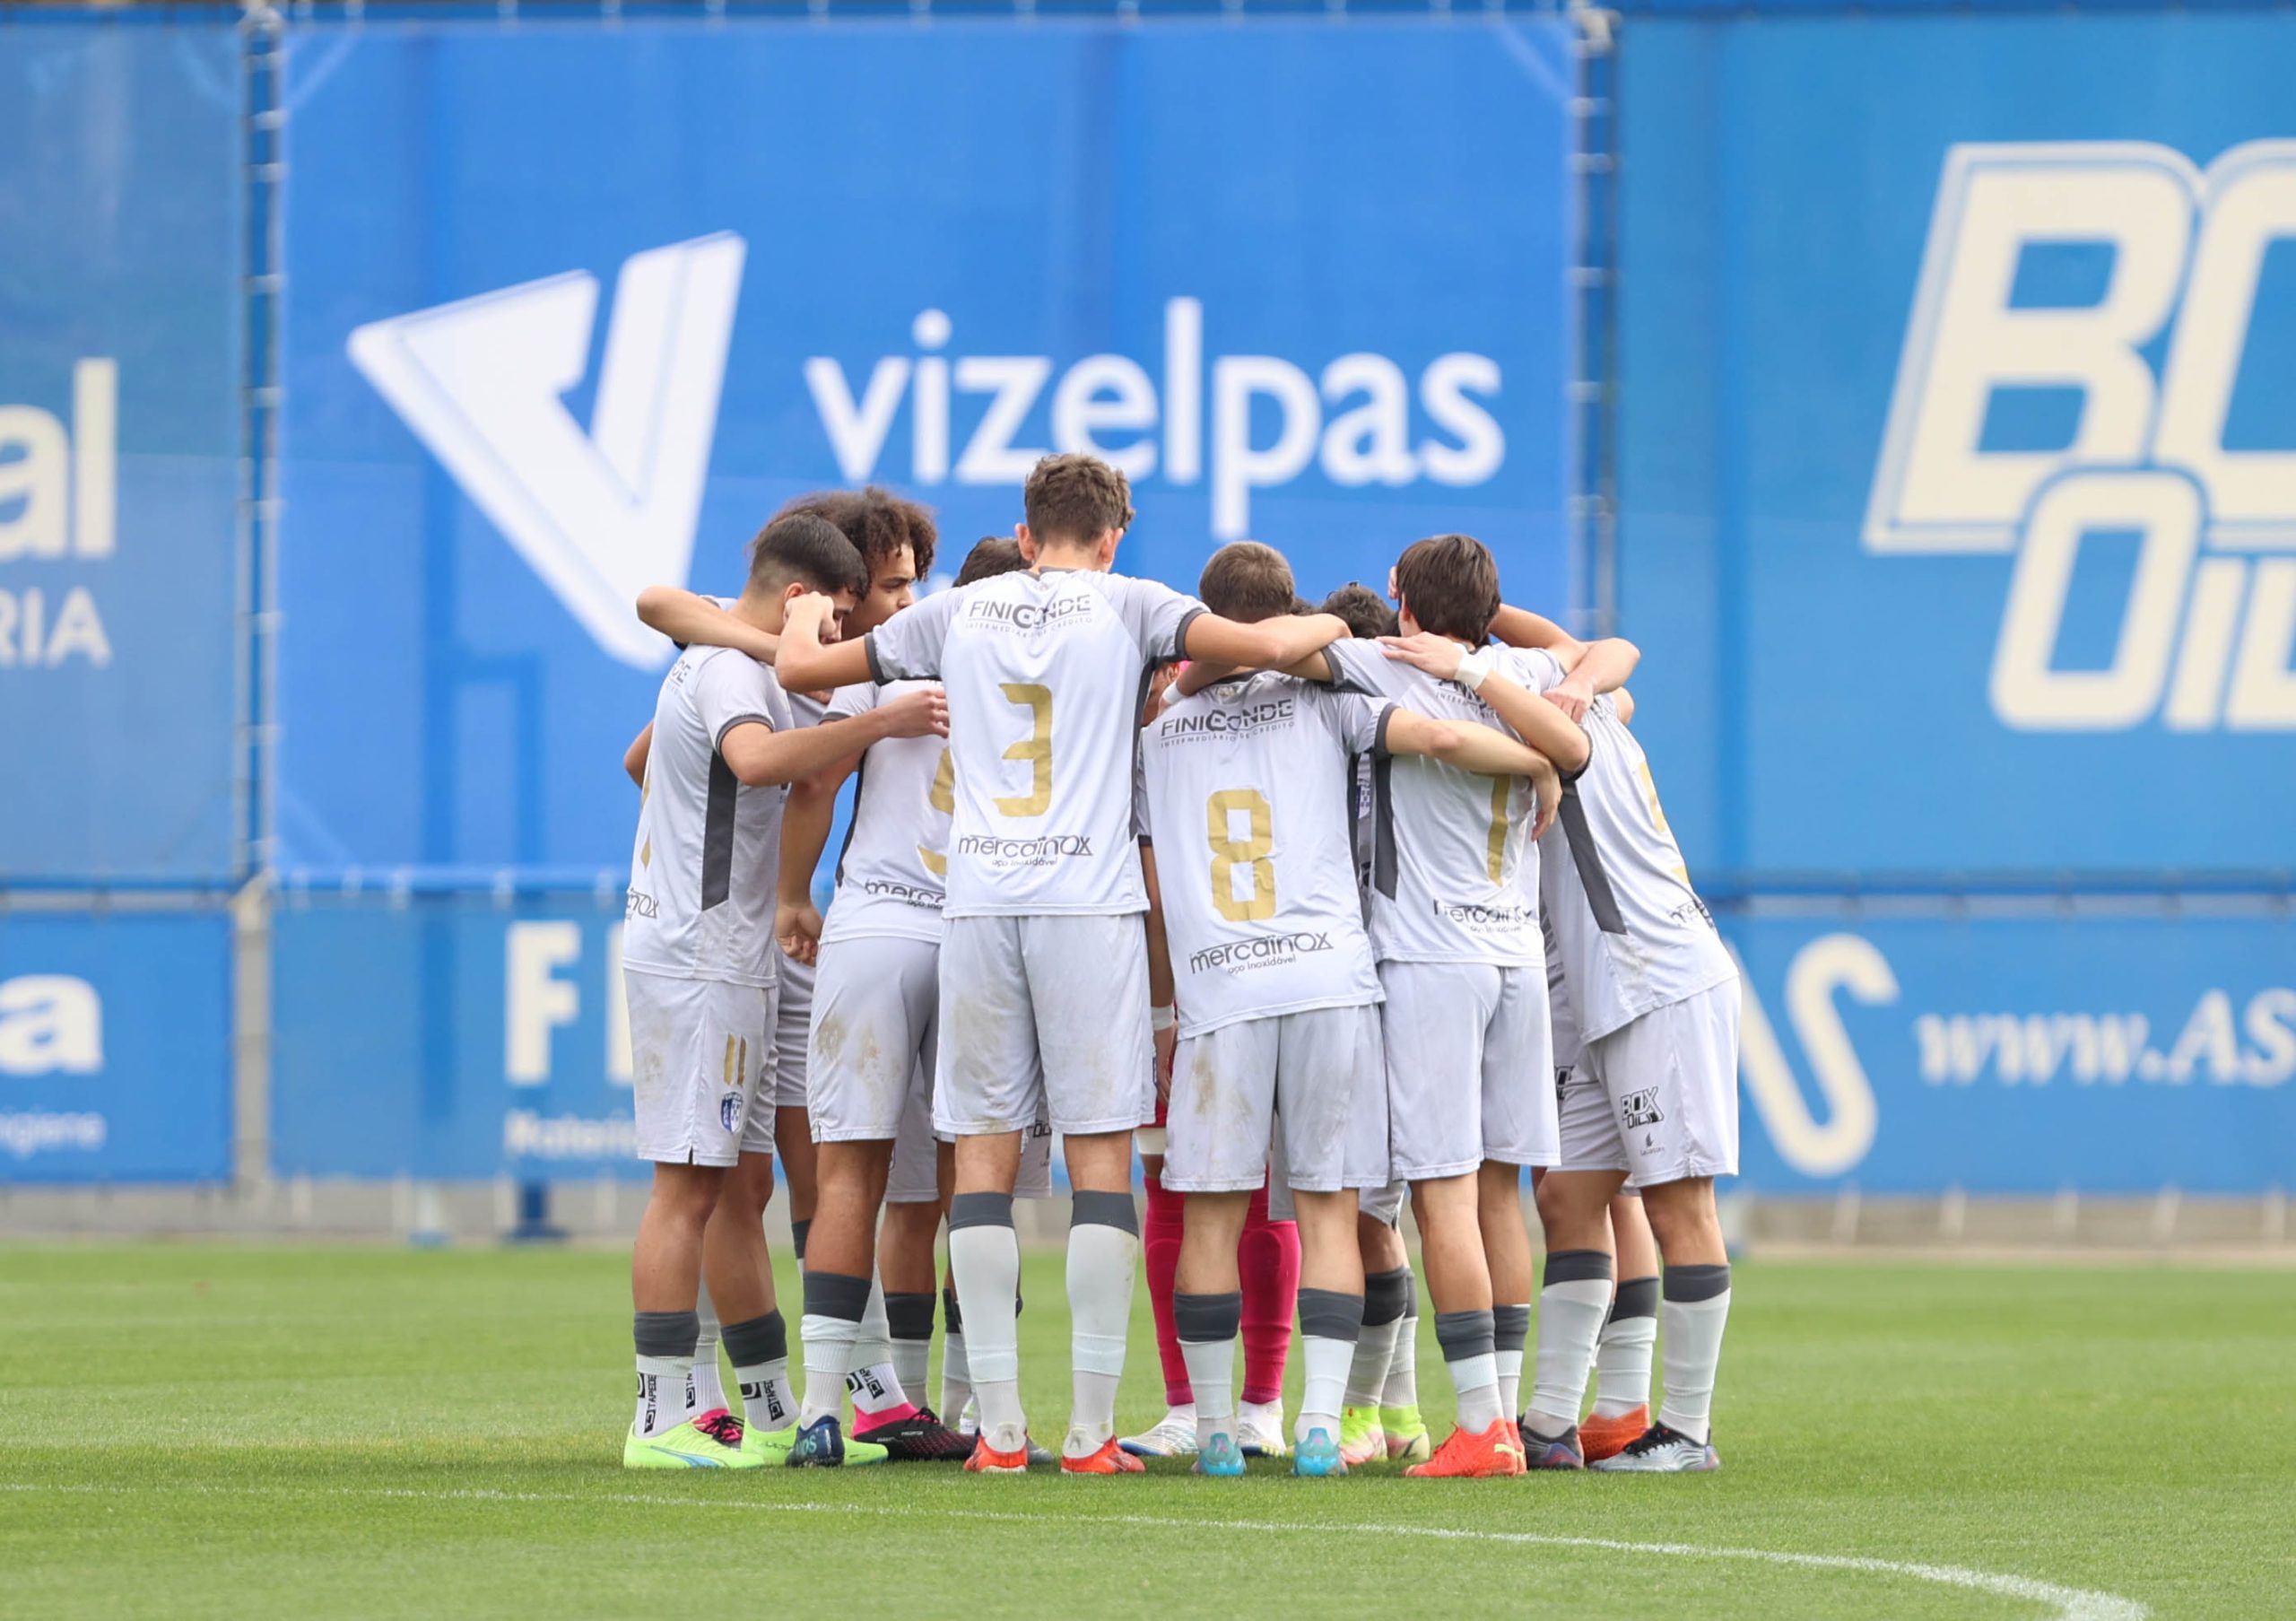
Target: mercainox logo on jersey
x=1110, y=405
x=2206, y=636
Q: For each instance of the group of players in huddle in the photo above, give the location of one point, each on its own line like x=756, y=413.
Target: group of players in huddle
x=1339, y=906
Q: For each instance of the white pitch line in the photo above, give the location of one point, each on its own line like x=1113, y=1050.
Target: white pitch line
x=2069, y=1603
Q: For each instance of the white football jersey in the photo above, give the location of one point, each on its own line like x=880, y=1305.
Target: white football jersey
x=1563, y=1015
x=1045, y=674
x=1249, y=802
x=1631, y=934
x=890, y=876
x=1454, y=872
x=703, y=869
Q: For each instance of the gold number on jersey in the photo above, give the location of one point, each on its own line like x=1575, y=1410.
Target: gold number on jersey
x=1036, y=748
x=1227, y=851
x=945, y=800
x=1502, y=790
x=1658, y=817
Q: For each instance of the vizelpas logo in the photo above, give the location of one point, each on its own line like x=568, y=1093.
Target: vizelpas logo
x=599, y=513
x=596, y=514
x=2205, y=638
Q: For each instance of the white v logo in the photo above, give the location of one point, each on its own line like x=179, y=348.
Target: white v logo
x=597, y=515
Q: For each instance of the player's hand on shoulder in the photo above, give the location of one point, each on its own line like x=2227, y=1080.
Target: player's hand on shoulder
x=1439, y=655
x=814, y=611
x=922, y=713
x=1573, y=696
x=797, y=926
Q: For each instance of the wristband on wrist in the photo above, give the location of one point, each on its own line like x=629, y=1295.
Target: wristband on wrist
x=1161, y=1019
x=1473, y=668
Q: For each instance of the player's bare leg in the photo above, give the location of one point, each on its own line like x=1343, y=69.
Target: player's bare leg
x=840, y=1261
x=739, y=1268
x=793, y=1135
x=1207, y=1306
x=984, y=1264
x=664, y=1285
x=906, y=1234
x=1574, y=1206
x=1629, y=1336
x=1458, y=1279
x=1695, y=1300
x=1103, y=1256
x=1507, y=1251
x=1331, y=1321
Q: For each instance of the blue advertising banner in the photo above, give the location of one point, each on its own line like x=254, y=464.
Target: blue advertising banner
x=449, y=1036
x=119, y=424
x=1958, y=460
x=2020, y=1054
x=577, y=307
x=114, y=1046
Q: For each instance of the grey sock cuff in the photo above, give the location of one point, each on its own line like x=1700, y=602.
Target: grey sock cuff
x=1579, y=1267
x=1208, y=1318
x=1409, y=1293
x=666, y=1333
x=798, y=1231
x=909, y=1316
x=1687, y=1285
x=1329, y=1314
x=1385, y=1294
x=1463, y=1334
x=838, y=1295
x=981, y=1210
x=952, y=1319
x=1103, y=1209
x=759, y=1340
x=1510, y=1326
x=1637, y=1297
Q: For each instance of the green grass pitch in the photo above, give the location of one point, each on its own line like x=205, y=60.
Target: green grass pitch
x=194, y=1431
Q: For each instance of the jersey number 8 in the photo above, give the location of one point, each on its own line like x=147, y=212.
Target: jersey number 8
x=1253, y=850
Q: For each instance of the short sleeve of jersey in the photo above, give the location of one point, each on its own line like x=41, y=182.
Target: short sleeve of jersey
x=847, y=701
x=1360, y=722
x=1534, y=669
x=1358, y=666
x=1157, y=615
x=729, y=690
x=908, y=646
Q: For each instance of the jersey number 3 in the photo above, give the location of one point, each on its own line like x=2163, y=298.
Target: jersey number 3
x=1036, y=748
x=1252, y=851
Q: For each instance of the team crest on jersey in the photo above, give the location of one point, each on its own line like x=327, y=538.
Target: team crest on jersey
x=1640, y=1109
x=729, y=1110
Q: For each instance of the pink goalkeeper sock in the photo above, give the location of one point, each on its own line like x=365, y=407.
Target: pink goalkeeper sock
x=1159, y=1248
x=1268, y=1256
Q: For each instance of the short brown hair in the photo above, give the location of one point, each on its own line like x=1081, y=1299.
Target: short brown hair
x=1367, y=612
x=877, y=522
x=1247, y=582
x=1451, y=584
x=1074, y=497
x=805, y=548
x=991, y=556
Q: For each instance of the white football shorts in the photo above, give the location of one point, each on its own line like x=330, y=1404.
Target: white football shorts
x=1470, y=1067
x=700, y=1057
x=1670, y=1079
x=1313, y=1080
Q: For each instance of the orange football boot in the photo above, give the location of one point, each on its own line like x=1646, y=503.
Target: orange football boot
x=1475, y=1455
x=1600, y=1437
x=987, y=1459
x=1110, y=1459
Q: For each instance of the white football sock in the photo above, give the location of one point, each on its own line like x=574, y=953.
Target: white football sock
x=1212, y=1375
x=910, y=1359
x=828, y=1354
x=1622, y=1354
x=705, y=1392
x=1510, y=1380
x=873, y=1347
x=661, y=1393
x=1103, y=1255
x=1327, y=1361
x=1367, y=1374
x=1403, y=1369
x=1476, y=1380
x=1694, y=1345
x=985, y=1257
x=1570, y=1316
x=956, y=1377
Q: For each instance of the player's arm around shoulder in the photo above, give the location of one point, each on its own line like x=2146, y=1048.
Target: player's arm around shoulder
x=1542, y=725
x=761, y=757
x=694, y=620
x=1472, y=746
x=1588, y=667
x=1293, y=644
